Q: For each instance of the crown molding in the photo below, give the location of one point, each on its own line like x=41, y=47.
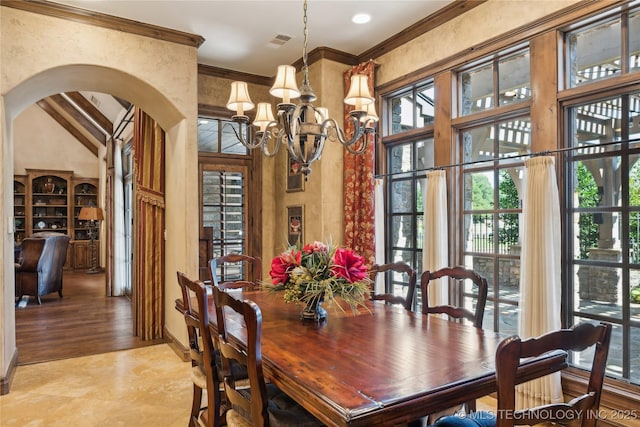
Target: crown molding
x=210, y=70
x=84, y=16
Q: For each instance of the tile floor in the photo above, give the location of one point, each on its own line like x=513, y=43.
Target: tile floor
x=148, y=386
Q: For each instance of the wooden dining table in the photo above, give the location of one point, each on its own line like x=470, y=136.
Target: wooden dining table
x=379, y=366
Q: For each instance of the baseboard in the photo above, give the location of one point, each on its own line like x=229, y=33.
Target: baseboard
x=182, y=351
x=5, y=382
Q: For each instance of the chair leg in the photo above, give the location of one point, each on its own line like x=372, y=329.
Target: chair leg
x=195, y=406
x=60, y=292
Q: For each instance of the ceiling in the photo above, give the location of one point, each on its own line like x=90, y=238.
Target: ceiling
x=239, y=33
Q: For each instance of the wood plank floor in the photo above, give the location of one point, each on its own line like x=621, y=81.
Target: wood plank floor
x=84, y=322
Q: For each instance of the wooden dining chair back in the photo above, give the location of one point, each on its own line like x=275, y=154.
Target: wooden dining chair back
x=459, y=274
x=241, y=270
x=262, y=403
x=204, y=373
x=401, y=268
x=581, y=411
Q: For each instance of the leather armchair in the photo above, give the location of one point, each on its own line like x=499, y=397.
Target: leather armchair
x=39, y=268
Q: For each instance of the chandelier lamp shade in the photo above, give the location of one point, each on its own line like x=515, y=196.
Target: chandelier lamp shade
x=301, y=126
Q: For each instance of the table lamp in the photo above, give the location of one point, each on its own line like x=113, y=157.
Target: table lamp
x=93, y=215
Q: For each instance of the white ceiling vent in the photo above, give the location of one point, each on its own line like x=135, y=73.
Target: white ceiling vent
x=279, y=40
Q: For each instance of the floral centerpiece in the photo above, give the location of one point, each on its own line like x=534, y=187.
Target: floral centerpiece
x=320, y=271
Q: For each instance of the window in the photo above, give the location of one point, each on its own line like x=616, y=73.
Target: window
x=226, y=206
x=405, y=205
x=601, y=50
x=491, y=199
x=604, y=224
x=409, y=153
x=219, y=136
x=503, y=80
x=411, y=109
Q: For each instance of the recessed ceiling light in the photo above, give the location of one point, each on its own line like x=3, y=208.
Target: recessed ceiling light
x=361, y=18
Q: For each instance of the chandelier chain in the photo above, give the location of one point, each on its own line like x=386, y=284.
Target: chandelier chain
x=306, y=35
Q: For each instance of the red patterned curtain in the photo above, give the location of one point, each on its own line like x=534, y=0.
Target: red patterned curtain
x=148, y=277
x=359, y=233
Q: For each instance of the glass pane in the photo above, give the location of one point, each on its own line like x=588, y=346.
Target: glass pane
x=484, y=267
x=401, y=107
x=420, y=232
x=634, y=375
x=230, y=143
x=587, y=192
x=514, y=82
x=402, y=256
x=477, y=144
x=401, y=196
x=478, y=190
x=634, y=241
x=508, y=188
x=207, y=135
x=514, y=137
x=479, y=234
x=594, y=53
x=634, y=295
x=402, y=231
x=634, y=181
x=476, y=90
x=508, y=320
x=634, y=41
x=419, y=195
x=489, y=315
x=425, y=101
x=598, y=235
x=401, y=158
x=597, y=291
x=509, y=279
x=509, y=234
x=424, y=154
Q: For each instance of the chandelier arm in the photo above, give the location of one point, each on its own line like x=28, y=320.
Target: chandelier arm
x=358, y=130
x=276, y=134
x=255, y=138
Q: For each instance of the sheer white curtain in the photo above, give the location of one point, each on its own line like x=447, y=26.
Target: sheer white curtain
x=435, y=250
x=379, y=230
x=119, y=271
x=540, y=290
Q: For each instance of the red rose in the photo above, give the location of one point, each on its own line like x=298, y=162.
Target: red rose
x=348, y=265
x=282, y=265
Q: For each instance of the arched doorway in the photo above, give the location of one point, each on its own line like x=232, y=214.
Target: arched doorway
x=124, y=85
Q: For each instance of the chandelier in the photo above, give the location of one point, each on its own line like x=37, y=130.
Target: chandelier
x=303, y=127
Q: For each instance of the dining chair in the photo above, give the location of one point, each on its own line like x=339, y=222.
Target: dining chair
x=262, y=404
x=580, y=411
x=400, y=268
x=204, y=371
x=244, y=270
x=459, y=274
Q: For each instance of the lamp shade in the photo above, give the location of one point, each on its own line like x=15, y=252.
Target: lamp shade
x=370, y=109
x=239, y=100
x=264, y=116
x=359, y=94
x=91, y=213
x=285, y=86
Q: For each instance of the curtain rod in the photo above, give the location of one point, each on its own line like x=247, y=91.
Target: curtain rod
x=539, y=153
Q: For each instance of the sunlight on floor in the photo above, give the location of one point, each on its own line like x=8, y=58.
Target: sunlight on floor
x=146, y=386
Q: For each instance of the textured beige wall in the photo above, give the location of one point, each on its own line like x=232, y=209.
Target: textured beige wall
x=42, y=55
x=39, y=142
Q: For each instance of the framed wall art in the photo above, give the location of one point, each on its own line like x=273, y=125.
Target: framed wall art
x=295, y=180
x=295, y=225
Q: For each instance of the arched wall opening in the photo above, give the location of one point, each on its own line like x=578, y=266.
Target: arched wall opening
x=180, y=173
